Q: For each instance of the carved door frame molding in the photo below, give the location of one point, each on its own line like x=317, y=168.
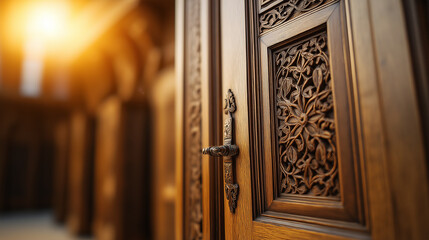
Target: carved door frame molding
x=188, y=120
x=199, y=211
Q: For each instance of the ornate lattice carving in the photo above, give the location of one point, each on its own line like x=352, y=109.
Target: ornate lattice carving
x=305, y=119
x=193, y=194
x=286, y=10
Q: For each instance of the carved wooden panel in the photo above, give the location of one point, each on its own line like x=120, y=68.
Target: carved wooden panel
x=193, y=155
x=304, y=116
x=311, y=167
x=285, y=11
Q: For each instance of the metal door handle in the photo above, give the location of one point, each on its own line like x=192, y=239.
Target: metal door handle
x=222, y=151
x=228, y=151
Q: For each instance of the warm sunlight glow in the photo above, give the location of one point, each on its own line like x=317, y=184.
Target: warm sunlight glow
x=45, y=27
x=47, y=20
x=61, y=26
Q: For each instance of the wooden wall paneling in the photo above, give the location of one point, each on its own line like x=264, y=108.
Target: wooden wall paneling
x=22, y=157
x=122, y=171
x=163, y=162
x=390, y=124
x=107, y=170
x=27, y=152
x=369, y=120
x=211, y=118
x=45, y=170
x=5, y=128
x=80, y=174
x=401, y=123
x=61, y=164
x=54, y=114
x=135, y=180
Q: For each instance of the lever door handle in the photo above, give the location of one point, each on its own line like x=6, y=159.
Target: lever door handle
x=222, y=151
x=228, y=151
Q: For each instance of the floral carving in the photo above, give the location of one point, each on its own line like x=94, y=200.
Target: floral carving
x=305, y=119
x=285, y=11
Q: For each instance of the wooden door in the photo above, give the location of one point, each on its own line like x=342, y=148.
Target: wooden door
x=121, y=170
x=325, y=145
x=80, y=168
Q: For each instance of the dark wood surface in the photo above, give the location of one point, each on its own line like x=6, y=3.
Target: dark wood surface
x=27, y=152
x=61, y=166
x=212, y=122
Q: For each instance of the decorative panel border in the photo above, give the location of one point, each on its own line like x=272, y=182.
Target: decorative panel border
x=273, y=16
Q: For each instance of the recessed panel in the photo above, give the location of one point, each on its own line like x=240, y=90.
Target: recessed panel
x=309, y=171
x=304, y=118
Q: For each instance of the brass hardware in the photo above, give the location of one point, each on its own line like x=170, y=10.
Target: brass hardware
x=228, y=151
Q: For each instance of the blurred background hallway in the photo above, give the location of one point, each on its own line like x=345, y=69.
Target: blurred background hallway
x=86, y=107
x=214, y=119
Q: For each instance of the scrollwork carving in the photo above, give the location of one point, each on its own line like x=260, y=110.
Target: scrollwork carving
x=305, y=119
x=285, y=11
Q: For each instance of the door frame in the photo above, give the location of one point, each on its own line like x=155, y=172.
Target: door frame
x=203, y=31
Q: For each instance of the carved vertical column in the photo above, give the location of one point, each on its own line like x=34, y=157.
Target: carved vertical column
x=192, y=120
